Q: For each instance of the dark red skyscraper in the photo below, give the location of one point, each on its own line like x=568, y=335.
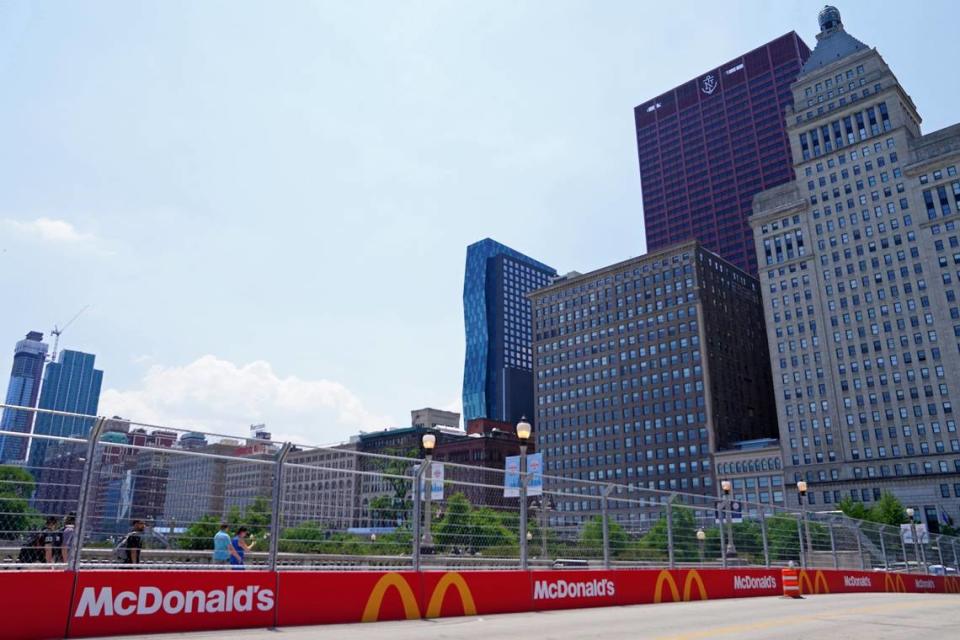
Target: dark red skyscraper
x=708, y=146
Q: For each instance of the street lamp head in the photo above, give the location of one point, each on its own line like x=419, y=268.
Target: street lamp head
x=726, y=485
x=373, y=537
x=429, y=442
x=910, y=512
x=529, y=536
x=701, y=535
x=523, y=430
x=802, y=487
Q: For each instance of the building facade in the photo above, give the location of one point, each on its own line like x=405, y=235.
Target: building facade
x=23, y=390
x=322, y=485
x=708, y=146
x=859, y=271
x=431, y=418
x=497, y=371
x=755, y=467
x=72, y=385
x=645, y=368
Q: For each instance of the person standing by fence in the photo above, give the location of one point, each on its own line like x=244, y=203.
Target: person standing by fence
x=67, y=536
x=223, y=550
x=240, y=547
x=134, y=543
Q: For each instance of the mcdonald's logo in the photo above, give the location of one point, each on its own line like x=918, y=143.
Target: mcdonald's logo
x=666, y=578
x=894, y=584
x=411, y=608
x=440, y=591
x=818, y=580
x=951, y=584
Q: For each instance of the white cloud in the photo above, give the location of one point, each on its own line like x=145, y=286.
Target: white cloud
x=211, y=394
x=54, y=231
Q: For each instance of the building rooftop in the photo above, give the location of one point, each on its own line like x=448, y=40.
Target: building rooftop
x=833, y=42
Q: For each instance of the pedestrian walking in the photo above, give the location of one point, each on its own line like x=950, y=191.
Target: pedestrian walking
x=240, y=547
x=223, y=551
x=69, y=525
x=133, y=543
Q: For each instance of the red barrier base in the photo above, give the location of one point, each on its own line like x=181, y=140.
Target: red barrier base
x=144, y=601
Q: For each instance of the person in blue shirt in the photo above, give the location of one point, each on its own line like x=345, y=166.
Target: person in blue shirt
x=240, y=547
x=223, y=550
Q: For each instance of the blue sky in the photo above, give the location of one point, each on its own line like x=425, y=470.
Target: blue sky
x=267, y=204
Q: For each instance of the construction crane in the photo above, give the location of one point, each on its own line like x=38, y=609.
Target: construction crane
x=56, y=331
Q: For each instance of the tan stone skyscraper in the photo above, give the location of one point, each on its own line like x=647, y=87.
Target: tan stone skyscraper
x=859, y=267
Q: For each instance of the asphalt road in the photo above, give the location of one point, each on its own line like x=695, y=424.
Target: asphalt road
x=876, y=616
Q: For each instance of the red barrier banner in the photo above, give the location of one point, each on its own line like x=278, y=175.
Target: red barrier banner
x=144, y=601
x=123, y=602
x=36, y=604
x=478, y=592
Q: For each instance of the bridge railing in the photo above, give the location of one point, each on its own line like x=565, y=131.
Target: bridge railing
x=337, y=508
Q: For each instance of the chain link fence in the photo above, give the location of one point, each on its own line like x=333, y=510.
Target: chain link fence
x=115, y=493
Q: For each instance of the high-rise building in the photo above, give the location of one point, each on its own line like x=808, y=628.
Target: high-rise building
x=428, y=418
x=708, y=146
x=497, y=378
x=645, y=368
x=23, y=391
x=72, y=385
x=859, y=271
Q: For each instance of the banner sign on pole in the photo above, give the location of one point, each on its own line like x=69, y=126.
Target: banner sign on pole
x=535, y=479
x=436, y=482
x=511, y=477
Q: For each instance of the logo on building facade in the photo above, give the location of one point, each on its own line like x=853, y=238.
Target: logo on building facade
x=709, y=84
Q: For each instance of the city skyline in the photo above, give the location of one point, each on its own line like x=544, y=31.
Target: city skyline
x=173, y=309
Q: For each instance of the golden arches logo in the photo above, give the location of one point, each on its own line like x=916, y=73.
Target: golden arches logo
x=818, y=580
x=951, y=584
x=440, y=591
x=411, y=608
x=666, y=578
x=894, y=584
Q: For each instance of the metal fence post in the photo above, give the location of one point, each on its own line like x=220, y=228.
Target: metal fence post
x=903, y=544
x=670, y=551
x=940, y=552
x=86, y=480
x=417, y=496
x=856, y=533
x=883, y=547
x=723, y=544
x=605, y=517
x=277, y=502
x=763, y=536
x=523, y=508
x=804, y=560
x=833, y=546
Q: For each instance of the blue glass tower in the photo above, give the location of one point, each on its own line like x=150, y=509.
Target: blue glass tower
x=71, y=385
x=497, y=371
x=23, y=391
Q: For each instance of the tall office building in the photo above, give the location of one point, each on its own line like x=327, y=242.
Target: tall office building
x=23, y=391
x=72, y=385
x=497, y=378
x=859, y=272
x=645, y=368
x=708, y=146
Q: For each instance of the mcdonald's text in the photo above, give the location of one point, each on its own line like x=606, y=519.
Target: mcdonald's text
x=751, y=583
x=857, y=581
x=547, y=590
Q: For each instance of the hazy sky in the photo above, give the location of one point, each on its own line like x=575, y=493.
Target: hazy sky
x=267, y=204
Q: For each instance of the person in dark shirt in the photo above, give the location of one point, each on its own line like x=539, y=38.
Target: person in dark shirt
x=134, y=543
x=51, y=541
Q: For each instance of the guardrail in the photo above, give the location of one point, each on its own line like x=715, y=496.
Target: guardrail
x=337, y=508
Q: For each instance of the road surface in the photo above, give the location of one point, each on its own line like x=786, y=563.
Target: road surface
x=876, y=616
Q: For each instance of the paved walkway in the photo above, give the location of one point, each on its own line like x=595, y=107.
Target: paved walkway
x=873, y=616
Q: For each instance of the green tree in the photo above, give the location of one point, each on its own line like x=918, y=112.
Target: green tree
x=888, y=510
x=783, y=537
x=199, y=535
x=456, y=527
x=16, y=515
x=591, y=537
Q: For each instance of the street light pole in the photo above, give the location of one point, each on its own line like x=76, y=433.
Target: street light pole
x=801, y=496
x=523, y=435
x=913, y=531
x=727, y=486
x=429, y=441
